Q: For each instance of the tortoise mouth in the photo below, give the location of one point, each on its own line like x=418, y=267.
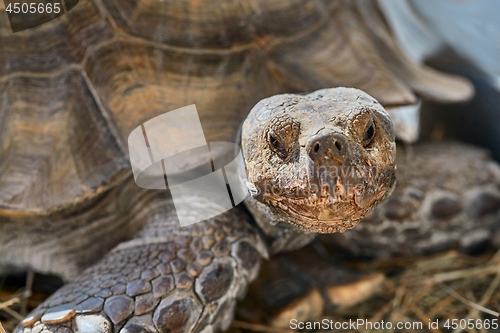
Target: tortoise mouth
x=324, y=207
x=321, y=193
x=321, y=216
x=335, y=208
x=314, y=206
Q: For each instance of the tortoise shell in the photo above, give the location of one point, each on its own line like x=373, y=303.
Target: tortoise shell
x=74, y=88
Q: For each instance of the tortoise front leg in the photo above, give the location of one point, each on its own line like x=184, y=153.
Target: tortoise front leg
x=167, y=279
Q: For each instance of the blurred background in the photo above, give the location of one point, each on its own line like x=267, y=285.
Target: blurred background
x=461, y=37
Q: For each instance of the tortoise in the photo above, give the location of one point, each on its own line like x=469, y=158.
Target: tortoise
x=74, y=88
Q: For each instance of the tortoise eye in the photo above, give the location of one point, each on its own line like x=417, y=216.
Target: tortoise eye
x=369, y=134
x=277, y=146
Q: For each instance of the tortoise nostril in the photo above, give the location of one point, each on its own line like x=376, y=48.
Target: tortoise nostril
x=328, y=145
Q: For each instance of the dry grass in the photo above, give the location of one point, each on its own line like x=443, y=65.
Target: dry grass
x=15, y=303
x=440, y=287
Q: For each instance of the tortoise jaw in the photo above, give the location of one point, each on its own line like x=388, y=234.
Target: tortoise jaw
x=322, y=218
x=321, y=213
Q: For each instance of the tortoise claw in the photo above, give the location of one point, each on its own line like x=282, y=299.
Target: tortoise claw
x=93, y=323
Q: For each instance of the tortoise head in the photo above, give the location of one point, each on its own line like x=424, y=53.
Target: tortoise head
x=319, y=161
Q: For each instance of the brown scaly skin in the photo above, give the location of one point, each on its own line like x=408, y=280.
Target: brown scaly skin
x=316, y=163
x=166, y=279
